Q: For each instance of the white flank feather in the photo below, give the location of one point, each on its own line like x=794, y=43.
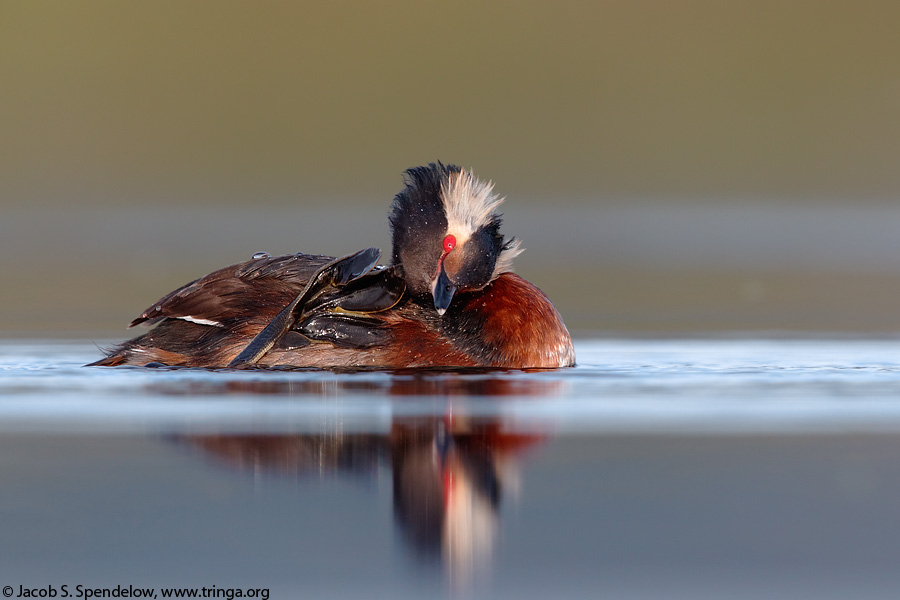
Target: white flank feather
x=201, y=321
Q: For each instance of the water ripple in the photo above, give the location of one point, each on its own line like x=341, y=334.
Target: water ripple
x=618, y=386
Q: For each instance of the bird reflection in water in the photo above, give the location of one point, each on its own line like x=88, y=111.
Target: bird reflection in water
x=449, y=471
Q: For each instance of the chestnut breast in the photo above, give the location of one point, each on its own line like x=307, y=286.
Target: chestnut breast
x=511, y=324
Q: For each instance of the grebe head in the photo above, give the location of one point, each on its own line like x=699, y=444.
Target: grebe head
x=446, y=234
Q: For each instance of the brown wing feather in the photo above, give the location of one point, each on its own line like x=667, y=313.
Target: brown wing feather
x=223, y=295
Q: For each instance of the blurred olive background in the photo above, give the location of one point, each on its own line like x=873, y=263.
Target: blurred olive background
x=671, y=167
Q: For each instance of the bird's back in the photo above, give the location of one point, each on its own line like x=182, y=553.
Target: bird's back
x=207, y=322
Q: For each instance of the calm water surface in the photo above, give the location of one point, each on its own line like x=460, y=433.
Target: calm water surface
x=656, y=468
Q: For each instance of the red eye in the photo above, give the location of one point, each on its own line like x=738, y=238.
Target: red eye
x=449, y=243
